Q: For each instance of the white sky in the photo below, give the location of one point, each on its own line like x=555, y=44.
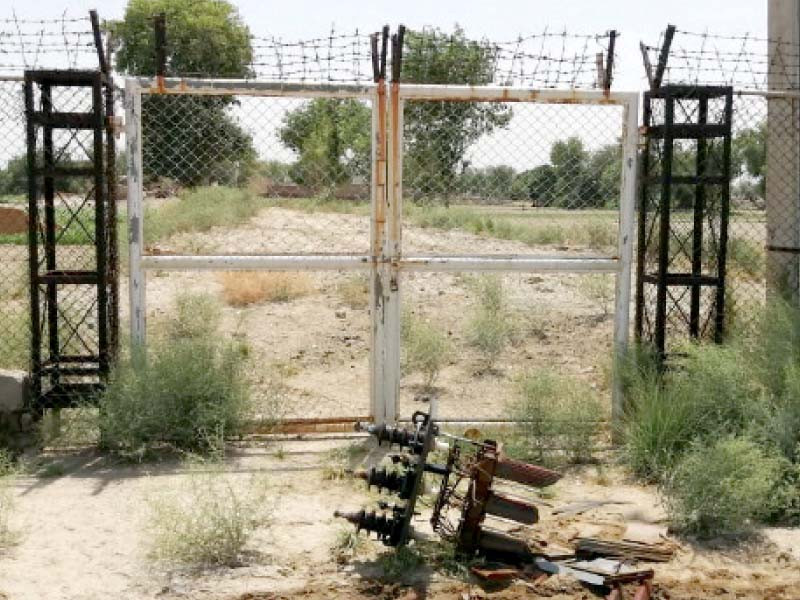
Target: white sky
x=636, y=20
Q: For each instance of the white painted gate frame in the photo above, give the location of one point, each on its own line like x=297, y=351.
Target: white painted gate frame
x=386, y=261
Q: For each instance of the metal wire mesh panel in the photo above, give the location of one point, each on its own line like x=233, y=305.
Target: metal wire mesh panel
x=14, y=341
x=303, y=336
x=511, y=178
x=469, y=339
x=237, y=174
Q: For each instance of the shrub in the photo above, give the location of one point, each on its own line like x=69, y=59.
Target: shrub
x=242, y=288
x=556, y=419
x=705, y=396
x=189, y=392
x=425, y=348
x=206, y=521
x=490, y=328
x=721, y=488
x=599, y=288
x=199, y=210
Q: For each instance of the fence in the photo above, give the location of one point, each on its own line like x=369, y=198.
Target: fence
x=328, y=213
x=521, y=183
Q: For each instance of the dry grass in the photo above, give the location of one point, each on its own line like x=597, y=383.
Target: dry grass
x=243, y=288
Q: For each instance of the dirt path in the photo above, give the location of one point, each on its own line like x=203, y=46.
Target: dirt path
x=83, y=535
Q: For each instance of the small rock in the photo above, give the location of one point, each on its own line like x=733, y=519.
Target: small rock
x=340, y=314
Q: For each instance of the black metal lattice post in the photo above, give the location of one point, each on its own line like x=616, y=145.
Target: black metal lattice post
x=71, y=235
x=683, y=215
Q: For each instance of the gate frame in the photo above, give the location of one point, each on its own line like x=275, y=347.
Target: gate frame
x=385, y=261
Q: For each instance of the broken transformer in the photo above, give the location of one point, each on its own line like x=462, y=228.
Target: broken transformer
x=466, y=497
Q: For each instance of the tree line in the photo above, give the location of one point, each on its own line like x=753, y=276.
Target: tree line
x=196, y=139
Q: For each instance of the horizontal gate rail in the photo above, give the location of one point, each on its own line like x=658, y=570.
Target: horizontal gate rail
x=386, y=260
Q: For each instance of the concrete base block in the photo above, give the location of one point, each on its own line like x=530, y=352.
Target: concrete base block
x=13, y=390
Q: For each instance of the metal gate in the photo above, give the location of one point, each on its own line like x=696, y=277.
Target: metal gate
x=381, y=254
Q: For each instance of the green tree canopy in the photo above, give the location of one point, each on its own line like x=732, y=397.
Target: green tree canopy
x=204, y=37
x=192, y=139
x=332, y=140
x=438, y=134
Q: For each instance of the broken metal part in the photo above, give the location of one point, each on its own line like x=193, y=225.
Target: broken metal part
x=515, y=509
x=524, y=473
x=588, y=547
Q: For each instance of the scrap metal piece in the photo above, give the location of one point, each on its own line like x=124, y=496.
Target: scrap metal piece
x=524, y=473
x=622, y=549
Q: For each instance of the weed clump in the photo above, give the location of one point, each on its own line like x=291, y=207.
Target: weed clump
x=720, y=426
x=426, y=349
x=206, y=521
x=354, y=292
x=491, y=327
x=722, y=488
x=189, y=392
x=199, y=210
x=556, y=419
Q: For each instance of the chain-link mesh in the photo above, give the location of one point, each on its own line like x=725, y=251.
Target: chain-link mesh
x=14, y=341
x=509, y=178
x=763, y=230
x=280, y=174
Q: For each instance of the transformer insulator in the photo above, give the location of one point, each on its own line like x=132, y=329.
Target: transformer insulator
x=387, y=528
x=401, y=484
x=403, y=438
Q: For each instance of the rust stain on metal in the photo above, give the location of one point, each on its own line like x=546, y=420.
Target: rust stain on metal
x=318, y=425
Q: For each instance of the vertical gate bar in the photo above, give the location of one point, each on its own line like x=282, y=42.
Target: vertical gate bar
x=33, y=244
x=100, y=209
x=664, y=230
x=378, y=211
x=133, y=138
x=699, y=210
x=719, y=329
x=628, y=185
x=111, y=218
x=393, y=254
x=50, y=231
x=641, y=247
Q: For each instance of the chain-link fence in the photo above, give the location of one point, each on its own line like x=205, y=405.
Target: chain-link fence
x=763, y=228
x=14, y=341
x=61, y=43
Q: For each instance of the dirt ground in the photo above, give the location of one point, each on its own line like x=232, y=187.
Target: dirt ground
x=320, y=346
x=83, y=535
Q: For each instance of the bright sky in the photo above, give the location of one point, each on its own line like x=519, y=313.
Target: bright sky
x=636, y=20
x=499, y=21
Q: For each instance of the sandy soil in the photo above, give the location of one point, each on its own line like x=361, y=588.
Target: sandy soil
x=83, y=536
x=560, y=320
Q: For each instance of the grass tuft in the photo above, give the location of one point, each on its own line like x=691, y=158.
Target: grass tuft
x=354, y=291
x=207, y=521
x=426, y=348
x=557, y=419
x=491, y=327
x=199, y=210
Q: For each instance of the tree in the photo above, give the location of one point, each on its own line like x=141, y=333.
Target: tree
x=332, y=140
x=438, y=134
x=193, y=139
x=538, y=185
x=749, y=156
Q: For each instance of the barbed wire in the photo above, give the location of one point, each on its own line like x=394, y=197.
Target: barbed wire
x=337, y=57
x=743, y=61
x=64, y=42
x=547, y=59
